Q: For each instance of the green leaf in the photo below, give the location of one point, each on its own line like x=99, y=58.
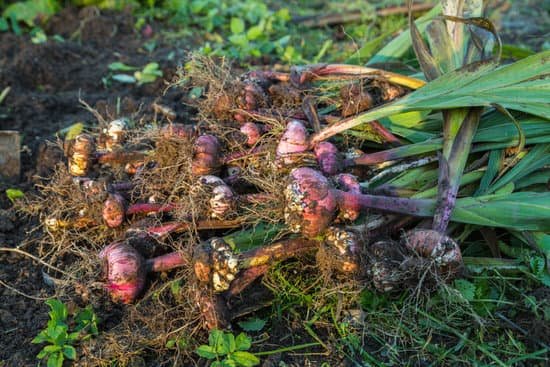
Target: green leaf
x=41, y=337
x=545, y=279
x=4, y=26
x=401, y=44
x=206, y=351
x=144, y=78
x=519, y=211
x=515, y=52
x=542, y=242
x=59, y=334
x=466, y=288
x=243, y=342
x=55, y=360
x=216, y=340
x=124, y=78
x=52, y=348
x=73, y=336
x=69, y=352
x=58, y=310
x=245, y=359
x=253, y=324
x=237, y=25
x=493, y=166
x=14, y=194
x=195, y=92
x=28, y=11
x=537, y=158
x=228, y=363
x=519, y=86
x=537, y=265
x=42, y=354
x=152, y=68
x=229, y=342
x=540, y=178
x=87, y=319
x=506, y=189
x=254, y=32
x=238, y=40
x=72, y=131
x=175, y=288
x=119, y=66
x=368, y=49
x=171, y=343
x=246, y=239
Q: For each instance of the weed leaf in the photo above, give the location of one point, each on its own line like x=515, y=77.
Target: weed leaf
x=206, y=351
x=246, y=359
x=69, y=352
x=237, y=25
x=14, y=194
x=55, y=360
x=58, y=311
x=243, y=342
x=254, y=324
x=467, y=289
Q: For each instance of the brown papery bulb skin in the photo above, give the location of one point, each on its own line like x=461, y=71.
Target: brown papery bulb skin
x=328, y=158
x=437, y=247
x=310, y=203
x=294, y=140
x=114, y=209
x=252, y=131
x=80, y=159
x=206, y=155
x=124, y=269
x=177, y=130
x=344, y=247
x=222, y=200
x=116, y=134
x=349, y=183
x=252, y=98
x=355, y=100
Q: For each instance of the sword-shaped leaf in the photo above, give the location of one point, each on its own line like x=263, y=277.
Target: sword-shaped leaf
x=468, y=88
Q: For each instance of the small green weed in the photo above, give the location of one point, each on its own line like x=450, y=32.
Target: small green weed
x=63, y=332
x=148, y=74
x=238, y=29
x=14, y=194
x=227, y=350
x=27, y=12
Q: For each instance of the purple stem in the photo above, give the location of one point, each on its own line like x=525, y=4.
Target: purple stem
x=166, y=262
x=415, y=207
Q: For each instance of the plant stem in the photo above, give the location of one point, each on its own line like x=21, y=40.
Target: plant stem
x=166, y=262
x=245, y=278
x=277, y=251
x=459, y=128
x=303, y=74
x=120, y=157
x=174, y=227
x=288, y=349
x=415, y=207
x=147, y=208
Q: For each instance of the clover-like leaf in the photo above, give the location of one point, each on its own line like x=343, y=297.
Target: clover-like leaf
x=245, y=359
x=206, y=351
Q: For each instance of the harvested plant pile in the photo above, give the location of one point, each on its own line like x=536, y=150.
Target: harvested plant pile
x=352, y=169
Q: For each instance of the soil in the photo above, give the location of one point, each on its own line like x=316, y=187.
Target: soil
x=48, y=81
